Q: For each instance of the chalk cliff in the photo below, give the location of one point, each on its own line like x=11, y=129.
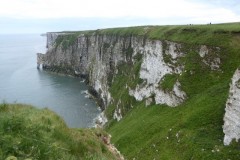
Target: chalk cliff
x=231, y=126
x=96, y=57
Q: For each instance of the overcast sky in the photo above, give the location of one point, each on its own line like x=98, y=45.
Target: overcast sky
x=39, y=16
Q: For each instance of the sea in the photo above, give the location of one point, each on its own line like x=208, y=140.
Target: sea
x=22, y=82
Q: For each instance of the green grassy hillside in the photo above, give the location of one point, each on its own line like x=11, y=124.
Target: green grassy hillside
x=30, y=133
x=192, y=130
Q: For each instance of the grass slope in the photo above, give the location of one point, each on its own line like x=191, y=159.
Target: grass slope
x=192, y=130
x=27, y=132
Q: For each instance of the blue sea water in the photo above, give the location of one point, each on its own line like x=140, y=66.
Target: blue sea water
x=21, y=82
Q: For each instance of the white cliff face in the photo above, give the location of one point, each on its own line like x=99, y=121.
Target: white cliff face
x=153, y=70
x=231, y=127
x=101, y=57
x=153, y=66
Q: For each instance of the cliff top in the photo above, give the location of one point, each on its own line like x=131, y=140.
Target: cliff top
x=197, y=34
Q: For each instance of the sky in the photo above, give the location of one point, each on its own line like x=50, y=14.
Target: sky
x=40, y=16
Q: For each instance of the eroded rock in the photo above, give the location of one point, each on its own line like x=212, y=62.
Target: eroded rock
x=231, y=127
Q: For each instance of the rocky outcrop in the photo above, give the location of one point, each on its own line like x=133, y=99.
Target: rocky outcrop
x=213, y=61
x=231, y=127
x=40, y=59
x=153, y=70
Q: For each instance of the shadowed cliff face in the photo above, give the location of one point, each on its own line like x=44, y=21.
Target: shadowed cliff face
x=93, y=57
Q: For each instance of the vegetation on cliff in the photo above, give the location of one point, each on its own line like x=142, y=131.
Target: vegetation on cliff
x=30, y=133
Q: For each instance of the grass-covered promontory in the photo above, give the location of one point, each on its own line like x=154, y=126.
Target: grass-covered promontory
x=39, y=134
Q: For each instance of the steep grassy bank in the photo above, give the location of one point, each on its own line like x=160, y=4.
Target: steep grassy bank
x=192, y=130
x=27, y=132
